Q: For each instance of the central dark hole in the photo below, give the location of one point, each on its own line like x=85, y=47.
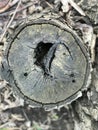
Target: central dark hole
x=40, y=52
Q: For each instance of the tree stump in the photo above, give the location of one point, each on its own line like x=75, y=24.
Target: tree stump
x=46, y=63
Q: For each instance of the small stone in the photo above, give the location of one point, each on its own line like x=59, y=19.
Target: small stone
x=28, y=123
x=31, y=9
x=34, y=8
x=94, y=113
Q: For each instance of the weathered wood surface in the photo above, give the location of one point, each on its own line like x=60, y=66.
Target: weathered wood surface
x=47, y=65
x=82, y=114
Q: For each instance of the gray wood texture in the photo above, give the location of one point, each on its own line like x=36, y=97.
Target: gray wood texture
x=47, y=64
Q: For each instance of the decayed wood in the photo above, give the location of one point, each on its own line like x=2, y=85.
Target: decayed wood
x=82, y=113
x=48, y=70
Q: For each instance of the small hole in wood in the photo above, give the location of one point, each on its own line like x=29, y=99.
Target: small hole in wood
x=40, y=51
x=25, y=74
x=73, y=81
x=64, y=54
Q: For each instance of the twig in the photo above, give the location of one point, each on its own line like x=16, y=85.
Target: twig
x=49, y=4
x=73, y=4
x=5, y=7
x=8, y=125
x=23, y=8
x=76, y=7
x=8, y=5
x=11, y=12
x=10, y=21
x=26, y=117
x=4, y=125
x=3, y=3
